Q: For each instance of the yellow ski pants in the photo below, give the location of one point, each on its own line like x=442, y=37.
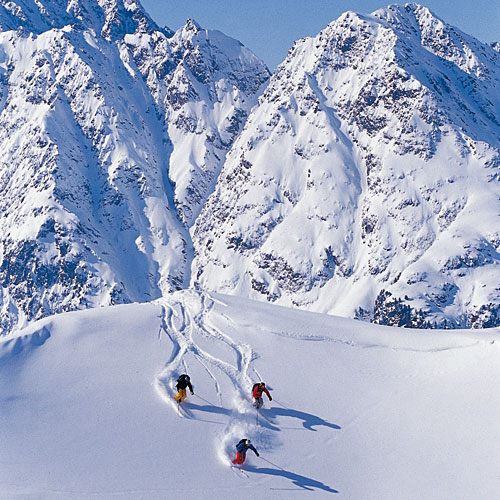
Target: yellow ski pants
x=181, y=395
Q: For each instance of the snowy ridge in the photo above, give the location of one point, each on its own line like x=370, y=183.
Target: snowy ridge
x=345, y=394
x=365, y=182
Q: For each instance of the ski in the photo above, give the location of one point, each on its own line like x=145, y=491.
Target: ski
x=239, y=469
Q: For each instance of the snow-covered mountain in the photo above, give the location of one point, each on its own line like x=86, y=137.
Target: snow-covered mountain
x=112, y=133
x=366, y=181
x=362, y=179
x=371, y=412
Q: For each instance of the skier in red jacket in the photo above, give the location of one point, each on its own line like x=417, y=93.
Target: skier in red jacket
x=257, y=391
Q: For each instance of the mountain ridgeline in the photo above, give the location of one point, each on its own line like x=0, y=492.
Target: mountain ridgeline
x=361, y=178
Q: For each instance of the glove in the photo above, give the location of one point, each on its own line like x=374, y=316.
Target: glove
x=270, y=398
x=257, y=453
x=192, y=393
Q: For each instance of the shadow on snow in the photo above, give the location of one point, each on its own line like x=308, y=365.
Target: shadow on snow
x=303, y=482
x=308, y=420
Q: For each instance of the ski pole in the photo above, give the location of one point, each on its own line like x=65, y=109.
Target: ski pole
x=281, y=404
x=203, y=399
x=257, y=416
x=274, y=465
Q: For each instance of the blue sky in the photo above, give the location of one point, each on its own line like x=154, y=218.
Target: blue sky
x=269, y=27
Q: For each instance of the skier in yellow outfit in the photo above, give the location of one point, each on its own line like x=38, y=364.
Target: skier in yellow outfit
x=182, y=382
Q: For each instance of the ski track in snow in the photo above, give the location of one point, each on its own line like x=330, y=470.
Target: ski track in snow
x=187, y=324
x=182, y=327
x=364, y=345
x=200, y=345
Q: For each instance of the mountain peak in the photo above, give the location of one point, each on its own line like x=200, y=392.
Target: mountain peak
x=192, y=25
x=111, y=18
x=408, y=10
x=351, y=181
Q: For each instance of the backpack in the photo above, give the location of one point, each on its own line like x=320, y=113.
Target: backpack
x=254, y=386
x=241, y=446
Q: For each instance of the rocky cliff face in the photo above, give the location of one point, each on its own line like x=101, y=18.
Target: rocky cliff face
x=365, y=183
x=112, y=132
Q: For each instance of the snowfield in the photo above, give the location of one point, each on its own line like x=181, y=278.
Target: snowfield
x=359, y=411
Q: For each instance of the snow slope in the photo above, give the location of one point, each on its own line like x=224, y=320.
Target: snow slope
x=359, y=411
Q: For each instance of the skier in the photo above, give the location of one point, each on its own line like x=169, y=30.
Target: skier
x=182, y=382
x=241, y=451
x=257, y=391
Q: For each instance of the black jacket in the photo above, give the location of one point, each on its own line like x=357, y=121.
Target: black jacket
x=182, y=383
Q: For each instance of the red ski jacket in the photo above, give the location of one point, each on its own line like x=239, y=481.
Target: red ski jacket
x=257, y=392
